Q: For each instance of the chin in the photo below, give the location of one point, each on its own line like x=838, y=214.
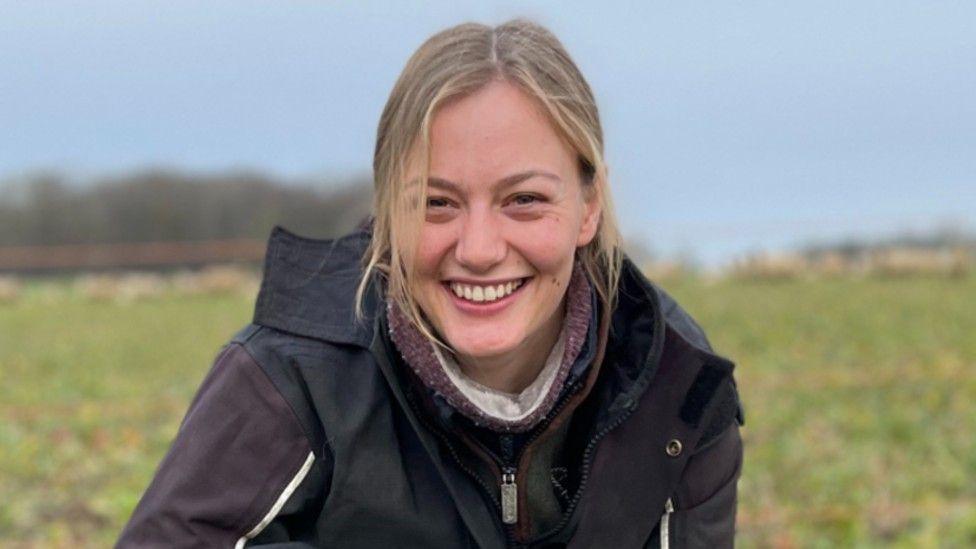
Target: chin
x=482, y=349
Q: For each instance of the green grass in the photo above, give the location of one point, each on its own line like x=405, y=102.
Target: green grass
x=860, y=406
x=92, y=394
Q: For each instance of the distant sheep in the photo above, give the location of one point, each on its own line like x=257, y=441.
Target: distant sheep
x=11, y=289
x=121, y=288
x=900, y=262
x=883, y=262
x=770, y=266
x=218, y=279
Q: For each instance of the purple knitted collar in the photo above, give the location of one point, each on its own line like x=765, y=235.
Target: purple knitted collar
x=418, y=352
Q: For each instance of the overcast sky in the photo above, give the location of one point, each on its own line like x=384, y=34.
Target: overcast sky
x=729, y=126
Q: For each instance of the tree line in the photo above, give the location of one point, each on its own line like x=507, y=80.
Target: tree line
x=170, y=206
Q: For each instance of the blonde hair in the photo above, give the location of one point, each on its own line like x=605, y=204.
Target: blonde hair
x=452, y=64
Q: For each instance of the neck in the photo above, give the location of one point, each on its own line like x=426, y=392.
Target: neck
x=515, y=370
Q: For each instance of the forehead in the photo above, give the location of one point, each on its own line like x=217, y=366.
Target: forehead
x=493, y=132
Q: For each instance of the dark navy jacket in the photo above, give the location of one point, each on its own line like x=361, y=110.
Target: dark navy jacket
x=309, y=432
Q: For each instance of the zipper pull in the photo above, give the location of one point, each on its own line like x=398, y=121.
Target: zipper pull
x=509, y=497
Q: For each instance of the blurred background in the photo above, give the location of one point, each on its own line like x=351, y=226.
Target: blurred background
x=801, y=177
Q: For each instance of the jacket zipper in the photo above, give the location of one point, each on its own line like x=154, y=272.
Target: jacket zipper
x=585, y=466
x=508, y=462
x=666, y=524
x=509, y=497
x=508, y=505
x=441, y=435
x=584, y=477
x=509, y=487
x=507, y=528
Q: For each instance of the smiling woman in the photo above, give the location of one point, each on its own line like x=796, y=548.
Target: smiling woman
x=492, y=230
x=480, y=365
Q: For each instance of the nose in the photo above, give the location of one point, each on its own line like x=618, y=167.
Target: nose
x=480, y=244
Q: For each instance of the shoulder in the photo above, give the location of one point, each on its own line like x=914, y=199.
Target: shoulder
x=305, y=370
x=682, y=322
x=720, y=393
x=649, y=319
x=257, y=367
x=236, y=411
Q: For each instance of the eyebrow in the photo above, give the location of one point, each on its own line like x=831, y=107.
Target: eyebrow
x=502, y=183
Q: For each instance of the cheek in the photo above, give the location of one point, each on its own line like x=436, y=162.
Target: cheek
x=550, y=244
x=564, y=224
x=434, y=245
x=551, y=250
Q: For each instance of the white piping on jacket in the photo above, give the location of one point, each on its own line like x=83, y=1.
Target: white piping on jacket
x=279, y=503
x=666, y=524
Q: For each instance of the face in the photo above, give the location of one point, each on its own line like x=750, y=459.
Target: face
x=505, y=213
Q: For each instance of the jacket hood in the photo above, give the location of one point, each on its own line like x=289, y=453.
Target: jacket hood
x=309, y=286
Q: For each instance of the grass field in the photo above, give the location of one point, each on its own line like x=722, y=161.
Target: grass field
x=860, y=406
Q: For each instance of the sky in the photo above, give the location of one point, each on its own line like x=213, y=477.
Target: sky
x=730, y=127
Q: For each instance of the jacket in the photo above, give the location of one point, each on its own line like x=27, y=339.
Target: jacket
x=309, y=431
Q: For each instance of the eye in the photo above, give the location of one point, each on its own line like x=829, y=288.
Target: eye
x=437, y=202
x=524, y=199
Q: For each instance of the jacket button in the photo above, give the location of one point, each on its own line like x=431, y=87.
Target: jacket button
x=673, y=448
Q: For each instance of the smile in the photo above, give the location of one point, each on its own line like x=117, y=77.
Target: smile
x=489, y=293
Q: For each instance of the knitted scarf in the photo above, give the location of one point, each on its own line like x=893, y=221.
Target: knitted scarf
x=485, y=406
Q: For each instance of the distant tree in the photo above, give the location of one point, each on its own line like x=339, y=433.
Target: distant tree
x=165, y=205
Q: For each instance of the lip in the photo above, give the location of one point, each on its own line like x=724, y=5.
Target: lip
x=485, y=309
x=493, y=282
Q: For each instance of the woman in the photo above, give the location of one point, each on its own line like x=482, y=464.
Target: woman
x=497, y=375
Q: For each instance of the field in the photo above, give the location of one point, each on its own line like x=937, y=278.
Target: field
x=860, y=402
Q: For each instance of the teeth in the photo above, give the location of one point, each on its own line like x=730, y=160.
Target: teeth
x=481, y=294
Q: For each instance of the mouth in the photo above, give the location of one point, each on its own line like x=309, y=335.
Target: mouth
x=484, y=298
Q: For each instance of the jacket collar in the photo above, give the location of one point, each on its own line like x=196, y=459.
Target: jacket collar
x=309, y=287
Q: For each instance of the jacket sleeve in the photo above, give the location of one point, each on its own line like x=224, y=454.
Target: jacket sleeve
x=240, y=465
x=705, y=502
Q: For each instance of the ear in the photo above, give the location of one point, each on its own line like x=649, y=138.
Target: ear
x=591, y=213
